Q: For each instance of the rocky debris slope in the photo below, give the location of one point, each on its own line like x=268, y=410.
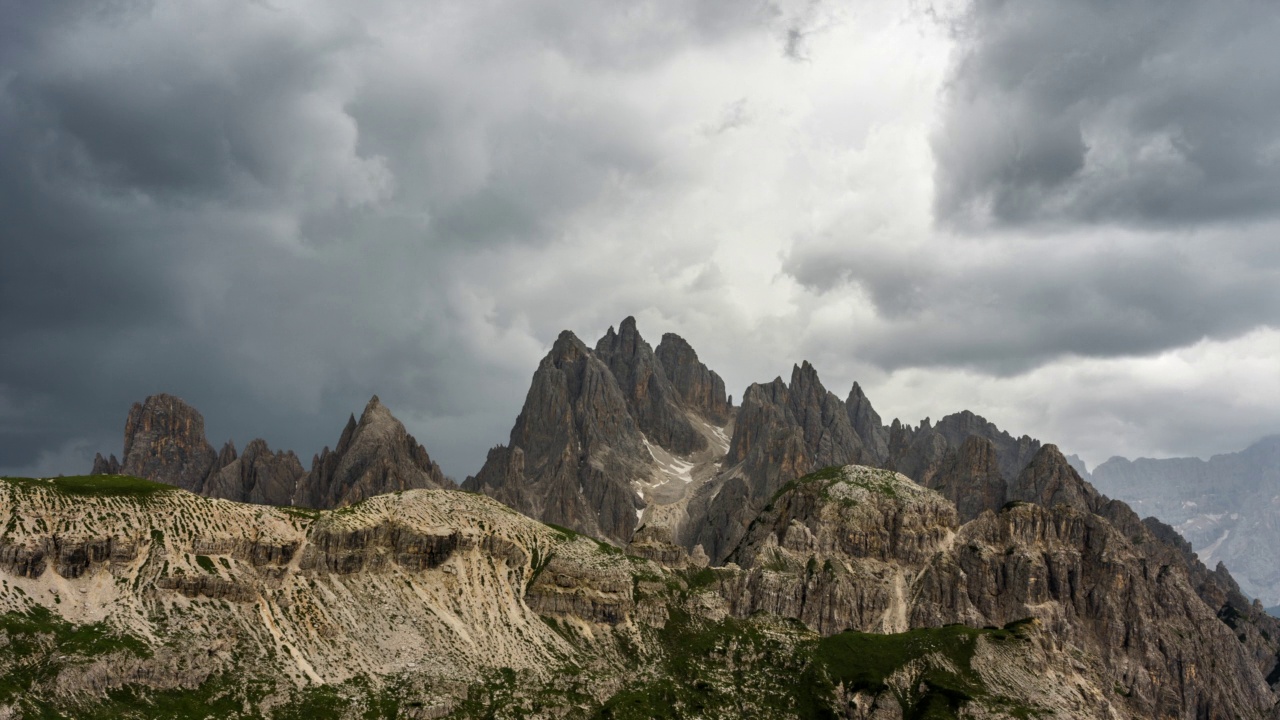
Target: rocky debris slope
x=443, y=583
x=127, y=598
x=373, y=456
x=1226, y=506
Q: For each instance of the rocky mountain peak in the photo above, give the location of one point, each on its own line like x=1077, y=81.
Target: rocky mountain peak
x=651, y=397
x=824, y=418
x=575, y=446
x=867, y=424
x=256, y=476
x=567, y=349
x=373, y=456
x=227, y=454
x=700, y=388
x=105, y=465
x=164, y=441
x=1050, y=480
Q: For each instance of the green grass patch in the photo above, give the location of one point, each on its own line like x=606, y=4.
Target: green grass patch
x=206, y=563
x=96, y=485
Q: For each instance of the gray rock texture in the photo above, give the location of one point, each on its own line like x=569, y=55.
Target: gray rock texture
x=164, y=441
x=373, y=456
x=652, y=399
x=781, y=432
x=1228, y=507
x=700, y=387
x=867, y=549
x=257, y=476
x=970, y=478
x=867, y=424
x=574, y=449
x=105, y=466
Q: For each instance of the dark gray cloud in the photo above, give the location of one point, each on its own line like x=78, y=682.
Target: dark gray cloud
x=275, y=210
x=1143, y=112
x=1005, y=305
x=257, y=206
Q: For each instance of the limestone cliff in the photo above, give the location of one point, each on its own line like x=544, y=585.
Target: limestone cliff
x=869, y=550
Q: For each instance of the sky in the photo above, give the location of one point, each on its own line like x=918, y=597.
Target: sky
x=1060, y=214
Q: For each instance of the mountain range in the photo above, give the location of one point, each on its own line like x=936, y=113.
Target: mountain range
x=1227, y=507
x=640, y=547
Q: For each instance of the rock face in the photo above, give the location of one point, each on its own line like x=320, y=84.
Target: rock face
x=970, y=478
x=105, y=466
x=652, y=399
x=868, y=426
x=257, y=476
x=454, y=595
x=1227, y=507
x=782, y=431
x=840, y=548
x=574, y=450
x=373, y=456
x=439, y=585
x=164, y=441
x=612, y=438
x=699, y=387
x=920, y=452
x=867, y=549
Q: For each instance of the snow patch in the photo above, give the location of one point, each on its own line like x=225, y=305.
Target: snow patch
x=1209, y=551
x=671, y=466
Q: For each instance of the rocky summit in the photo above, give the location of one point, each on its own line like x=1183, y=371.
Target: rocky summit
x=611, y=438
x=164, y=441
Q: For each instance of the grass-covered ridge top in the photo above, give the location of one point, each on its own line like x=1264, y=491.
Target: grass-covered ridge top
x=854, y=482
x=94, y=485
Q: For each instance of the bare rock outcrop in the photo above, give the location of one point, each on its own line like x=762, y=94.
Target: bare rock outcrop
x=700, y=387
x=781, y=432
x=838, y=549
x=867, y=424
x=257, y=476
x=164, y=441
x=373, y=456
x=867, y=549
x=574, y=449
x=652, y=399
x=105, y=466
x=970, y=477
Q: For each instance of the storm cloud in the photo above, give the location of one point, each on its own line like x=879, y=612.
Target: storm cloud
x=1142, y=112
x=276, y=210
